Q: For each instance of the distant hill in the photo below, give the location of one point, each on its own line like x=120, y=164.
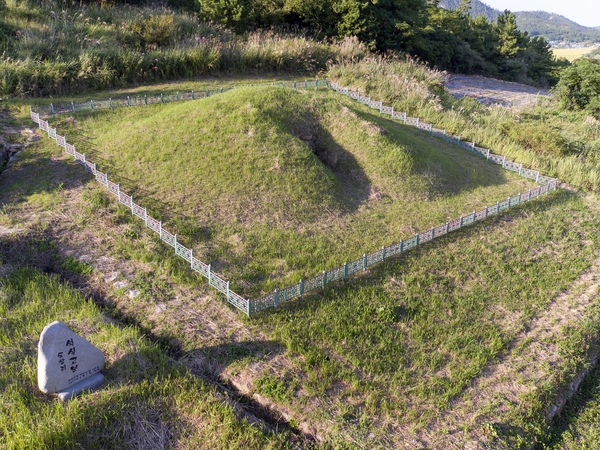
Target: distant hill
x=477, y=8
x=553, y=27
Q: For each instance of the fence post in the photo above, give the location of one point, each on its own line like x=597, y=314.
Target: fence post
x=110, y=102
x=276, y=298
x=119, y=192
x=52, y=109
x=345, y=270
x=160, y=229
x=83, y=159
x=392, y=109
x=383, y=253
x=175, y=246
x=209, y=276
x=537, y=176
x=178, y=100
x=473, y=148
x=509, y=202
x=520, y=170
x=326, y=82
x=193, y=95
x=401, y=245
x=94, y=169
x=301, y=288
x=162, y=98
x=486, y=211
x=228, y=297
x=324, y=278
x=364, y=261
x=417, y=235
x=417, y=125
x=487, y=157
x=145, y=214
x=92, y=103
x=146, y=99
x=460, y=224
x=73, y=107
x=447, y=226
x=503, y=161
x=128, y=101
x=432, y=232
x=473, y=216
x=132, y=205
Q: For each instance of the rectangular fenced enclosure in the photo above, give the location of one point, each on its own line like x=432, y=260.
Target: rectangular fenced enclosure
x=341, y=272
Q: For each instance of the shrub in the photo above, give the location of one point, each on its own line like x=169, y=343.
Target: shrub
x=579, y=86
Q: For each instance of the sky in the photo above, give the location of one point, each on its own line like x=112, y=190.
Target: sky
x=584, y=12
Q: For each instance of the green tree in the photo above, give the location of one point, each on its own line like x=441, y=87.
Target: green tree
x=579, y=86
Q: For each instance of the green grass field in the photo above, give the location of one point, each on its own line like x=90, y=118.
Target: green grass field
x=382, y=361
x=232, y=175
x=147, y=400
x=572, y=53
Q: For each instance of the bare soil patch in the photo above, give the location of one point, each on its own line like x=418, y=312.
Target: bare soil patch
x=490, y=91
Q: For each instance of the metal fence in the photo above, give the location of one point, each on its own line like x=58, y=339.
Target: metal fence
x=187, y=254
x=52, y=109
x=348, y=269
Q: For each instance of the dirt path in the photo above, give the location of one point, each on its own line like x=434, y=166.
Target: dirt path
x=490, y=91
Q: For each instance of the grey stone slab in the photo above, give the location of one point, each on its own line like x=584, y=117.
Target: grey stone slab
x=88, y=384
x=65, y=358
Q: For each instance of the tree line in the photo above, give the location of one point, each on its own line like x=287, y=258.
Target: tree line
x=451, y=40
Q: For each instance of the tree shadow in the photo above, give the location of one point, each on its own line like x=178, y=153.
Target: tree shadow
x=36, y=172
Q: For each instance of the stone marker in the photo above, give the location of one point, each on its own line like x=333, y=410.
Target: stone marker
x=67, y=363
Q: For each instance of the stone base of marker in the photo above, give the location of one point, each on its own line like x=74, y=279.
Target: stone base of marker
x=67, y=363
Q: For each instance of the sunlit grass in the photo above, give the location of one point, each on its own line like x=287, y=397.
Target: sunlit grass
x=232, y=175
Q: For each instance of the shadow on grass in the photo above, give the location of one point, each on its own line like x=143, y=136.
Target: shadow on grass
x=389, y=268
x=36, y=172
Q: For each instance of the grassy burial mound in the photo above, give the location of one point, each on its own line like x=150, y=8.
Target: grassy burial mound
x=271, y=185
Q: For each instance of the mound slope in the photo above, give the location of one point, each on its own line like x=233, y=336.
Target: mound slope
x=284, y=183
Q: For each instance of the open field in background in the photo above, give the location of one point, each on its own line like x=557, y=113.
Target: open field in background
x=382, y=361
x=273, y=185
x=572, y=53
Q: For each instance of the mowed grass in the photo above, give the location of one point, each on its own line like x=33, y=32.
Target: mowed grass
x=147, y=400
x=271, y=185
x=392, y=352
x=572, y=53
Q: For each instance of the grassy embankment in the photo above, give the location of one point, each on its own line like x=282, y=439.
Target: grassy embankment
x=560, y=143
x=148, y=400
x=233, y=177
x=50, y=51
